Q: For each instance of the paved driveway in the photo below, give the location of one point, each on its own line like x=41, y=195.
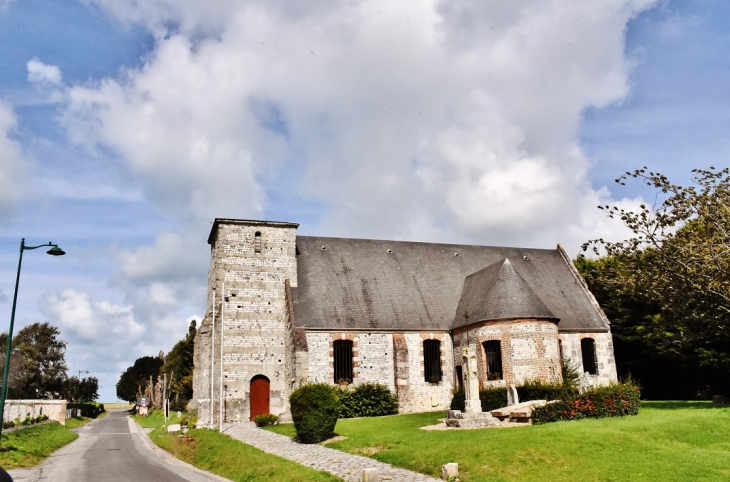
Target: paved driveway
x=112, y=449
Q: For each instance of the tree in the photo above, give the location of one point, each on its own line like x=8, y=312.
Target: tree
x=43, y=358
x=179, y=364
x=136, y=377
x=668, y=286
x=79, y=391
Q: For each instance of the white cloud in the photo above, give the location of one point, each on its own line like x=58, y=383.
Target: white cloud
x=82, y=318
x=40, y=73
x=105, y=338
x=12, y=167
x=429, y=120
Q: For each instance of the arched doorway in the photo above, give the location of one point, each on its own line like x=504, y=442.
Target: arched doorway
x=259, y=395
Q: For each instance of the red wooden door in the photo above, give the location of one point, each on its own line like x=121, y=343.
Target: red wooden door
x=259, y=395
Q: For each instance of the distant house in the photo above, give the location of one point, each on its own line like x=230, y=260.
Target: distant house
x=298, y=309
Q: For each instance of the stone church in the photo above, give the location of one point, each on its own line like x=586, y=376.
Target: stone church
x=295, y=309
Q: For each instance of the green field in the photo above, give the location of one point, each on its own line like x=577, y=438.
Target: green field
x=30, y=446
x=220, y=454
x=668, y=441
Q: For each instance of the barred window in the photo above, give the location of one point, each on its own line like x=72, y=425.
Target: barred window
x=588, y=351
x=432, y=360
x=343, y=360
x=493, y=349
x=257, y=242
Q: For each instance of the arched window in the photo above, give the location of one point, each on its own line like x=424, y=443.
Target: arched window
x=257, y=242
x=343, y=360
x=432, y=360
x=493, y=349
x=588, y=351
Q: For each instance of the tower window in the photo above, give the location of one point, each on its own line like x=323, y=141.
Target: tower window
x=493, y=349
x=257, y=242
x=432, y=360
x=588, y=351
x=343, y=360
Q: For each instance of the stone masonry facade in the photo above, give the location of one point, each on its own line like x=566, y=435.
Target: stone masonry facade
x=253, y=269
x=529, y=349
x=605, y=362
x=249, y=265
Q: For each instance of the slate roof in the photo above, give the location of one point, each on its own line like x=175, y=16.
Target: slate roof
x=498, y=292
x=362, y=284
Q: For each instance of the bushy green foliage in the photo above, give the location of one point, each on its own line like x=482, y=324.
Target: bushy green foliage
x=536, y=390
x=137, y=376
x=314, y=409
x=265, y=419
x=366, y=400
x=491, y=398
x=614, y=400
x=90, y=410
x=458, y=401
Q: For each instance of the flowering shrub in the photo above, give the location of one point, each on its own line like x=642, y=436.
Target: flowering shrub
x=612, y=401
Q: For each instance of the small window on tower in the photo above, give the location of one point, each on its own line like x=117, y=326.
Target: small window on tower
x=432, y=360
x=257, y=242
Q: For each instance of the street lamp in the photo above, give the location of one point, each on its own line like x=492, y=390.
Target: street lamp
x=78, y=396
x=54, y=251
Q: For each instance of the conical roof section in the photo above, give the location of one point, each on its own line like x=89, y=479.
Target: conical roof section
x=498, y=292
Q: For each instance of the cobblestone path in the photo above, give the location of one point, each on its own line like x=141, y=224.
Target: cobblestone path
x=349, y=467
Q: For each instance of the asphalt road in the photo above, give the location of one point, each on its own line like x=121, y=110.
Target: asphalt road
x=112, y=449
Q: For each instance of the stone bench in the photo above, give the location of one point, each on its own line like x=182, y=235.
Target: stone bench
x=519, y=413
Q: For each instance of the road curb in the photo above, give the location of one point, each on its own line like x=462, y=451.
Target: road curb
x=167, y=456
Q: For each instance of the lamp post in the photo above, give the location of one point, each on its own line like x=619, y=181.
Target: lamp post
x=78, y=398
x=54, y=251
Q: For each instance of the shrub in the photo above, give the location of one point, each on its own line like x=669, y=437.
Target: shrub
x=8, y=424
x=366, y=400
x=491, y=398
x=458, y=401
x=265, y=419
x=536, y=390
x=89, y=409
x=314, y=409
x=614, y=400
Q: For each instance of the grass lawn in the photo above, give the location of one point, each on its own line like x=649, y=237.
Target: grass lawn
x=220, y=454
x=30, y=446
x=79, y=421
x=667, y=441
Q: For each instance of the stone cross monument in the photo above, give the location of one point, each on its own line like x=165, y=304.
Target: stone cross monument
x=471, y=381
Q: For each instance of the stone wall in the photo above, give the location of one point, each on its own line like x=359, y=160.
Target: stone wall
x=391, y=359
x=254, y=323
x=19, y=409
x=530, y=350
x=422, y=395
x=606, y=363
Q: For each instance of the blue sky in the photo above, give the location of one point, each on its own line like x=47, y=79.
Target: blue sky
x=126, y=127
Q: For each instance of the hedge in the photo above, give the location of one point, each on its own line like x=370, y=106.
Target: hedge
x=366, y=400
x=491, y=398
x=89, y=409
x=534, y=390
x=614, y=400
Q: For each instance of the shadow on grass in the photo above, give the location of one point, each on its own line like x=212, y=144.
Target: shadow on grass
x=682, y=404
